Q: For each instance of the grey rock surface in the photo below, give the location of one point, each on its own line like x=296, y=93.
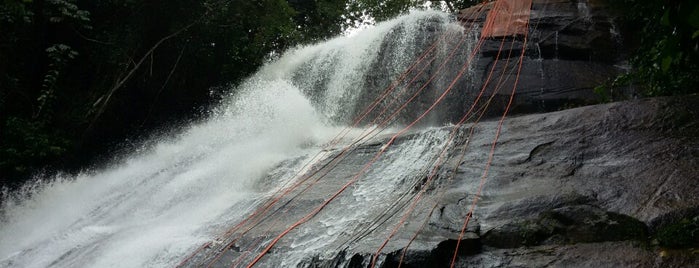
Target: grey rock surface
x=572, y=47
x=583, y=187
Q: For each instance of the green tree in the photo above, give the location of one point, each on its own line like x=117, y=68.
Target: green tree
x=666, y=34
x=77, y=77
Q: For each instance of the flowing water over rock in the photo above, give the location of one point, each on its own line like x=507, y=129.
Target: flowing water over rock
x=156, y=206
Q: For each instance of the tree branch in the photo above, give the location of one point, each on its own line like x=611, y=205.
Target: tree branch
x=90, y=39
x=157, y=95
x=107, y=97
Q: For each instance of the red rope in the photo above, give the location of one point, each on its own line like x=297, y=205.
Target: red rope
x=442, y=154
x=458, y=45
x=369, y=164
x=439, y=161
x=186, y=260
x=371, y=107
x=333, y=142
x=492, y=151
x=335, y=163
x=482, y=111
x=384, y=123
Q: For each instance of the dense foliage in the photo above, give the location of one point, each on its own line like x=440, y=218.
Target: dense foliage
x=79, y=77
x=665, y=35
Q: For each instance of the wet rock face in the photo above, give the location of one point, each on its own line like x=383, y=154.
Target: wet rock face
x=607, y=185
x=597, y=181
x=593, y=186
x=567, y=225
x=572, y=47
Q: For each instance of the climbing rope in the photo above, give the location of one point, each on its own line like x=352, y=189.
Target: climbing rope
x=258, y=214
x=436, y=167
x=492, y=152
x=371, y=162
x=468, y=138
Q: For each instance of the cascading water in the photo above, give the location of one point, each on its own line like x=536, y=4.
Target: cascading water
x=152, y=208
x=155, y=207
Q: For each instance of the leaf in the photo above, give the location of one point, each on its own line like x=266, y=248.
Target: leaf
x=695, y=35
x=693, y=18
x=665, y=65
x=665, y=20
x=671, y=46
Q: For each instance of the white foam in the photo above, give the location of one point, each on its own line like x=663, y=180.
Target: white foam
x=156, y=206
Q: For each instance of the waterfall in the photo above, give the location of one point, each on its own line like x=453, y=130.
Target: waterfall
x=156, y=206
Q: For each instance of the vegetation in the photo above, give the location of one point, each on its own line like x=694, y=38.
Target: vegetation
x=78, y=76
x=682, y=234
x=666, y=37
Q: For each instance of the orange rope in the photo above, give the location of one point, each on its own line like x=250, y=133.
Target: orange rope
x=438, y=164
x=439, y=161
x=492, y=150
x=333, y=142
x=388, y=119
x=186, y=260
x=335, y=163
x=384, y=123
x=370, y=163
x=268, y=206
x=463, y=151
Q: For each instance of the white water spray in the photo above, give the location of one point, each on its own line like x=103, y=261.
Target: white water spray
x=155, y=207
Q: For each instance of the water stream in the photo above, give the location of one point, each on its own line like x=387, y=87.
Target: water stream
x=154, y=207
